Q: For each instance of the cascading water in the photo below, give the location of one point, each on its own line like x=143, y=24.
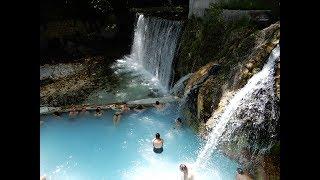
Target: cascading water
x=153, y=49
x=251, y=99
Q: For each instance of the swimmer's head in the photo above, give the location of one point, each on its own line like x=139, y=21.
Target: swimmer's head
x=98, y=109
x=240, y=171
x=183, y=167
x=179, y=120
x=56, y=113
x=158, y=136
x=140, y=106
x=157, y=102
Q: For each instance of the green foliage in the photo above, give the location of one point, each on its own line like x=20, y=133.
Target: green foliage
x=248, y=4
x=209, y=38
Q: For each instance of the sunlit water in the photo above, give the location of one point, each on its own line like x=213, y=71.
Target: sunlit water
x=88, y=147
x=124, y=84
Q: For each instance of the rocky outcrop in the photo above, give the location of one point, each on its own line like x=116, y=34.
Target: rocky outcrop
x=207, y=94
x=69, y=84
x=210, y=88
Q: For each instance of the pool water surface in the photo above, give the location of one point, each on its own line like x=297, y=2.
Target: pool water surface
x=89, y=147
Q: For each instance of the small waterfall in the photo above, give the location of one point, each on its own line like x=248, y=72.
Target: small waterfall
x=250, y=101
x=178, y=88
x=154, y=46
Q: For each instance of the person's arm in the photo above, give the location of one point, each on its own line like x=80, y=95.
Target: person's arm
x=153, y=141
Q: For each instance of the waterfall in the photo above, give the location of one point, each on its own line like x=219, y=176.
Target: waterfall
x=154, y=46
x=178, y=88
x=250, y=101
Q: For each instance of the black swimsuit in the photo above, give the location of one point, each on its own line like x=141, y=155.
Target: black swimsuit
x=157, y=150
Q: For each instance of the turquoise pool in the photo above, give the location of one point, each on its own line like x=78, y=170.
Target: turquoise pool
x=89, y=147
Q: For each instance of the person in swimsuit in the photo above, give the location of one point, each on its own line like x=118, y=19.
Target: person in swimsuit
x=125, y=107
x=116, y=118
x=178, y=123
x=98, y=112
x=73, y=112
x=187, y=173
x=241, y=175
x=158, y=105
x=157, y=144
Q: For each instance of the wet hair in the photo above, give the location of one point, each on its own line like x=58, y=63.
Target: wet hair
x=117, y=114
x=157, y=136
x=157, y=102
x=183, y=167
x=240, y=171
x=98, y=109
x=179, y=120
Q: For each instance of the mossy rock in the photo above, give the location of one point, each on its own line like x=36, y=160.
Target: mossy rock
x=208, y=98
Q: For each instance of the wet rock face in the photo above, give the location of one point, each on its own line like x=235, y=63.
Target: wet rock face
x=252, y=143
x=201, y=76
x=245, y=58
x=68, y=84
x=208, y=98
x=199, y=95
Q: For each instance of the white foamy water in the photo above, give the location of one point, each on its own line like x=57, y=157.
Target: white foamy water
x=252, y=98
x=153, y=49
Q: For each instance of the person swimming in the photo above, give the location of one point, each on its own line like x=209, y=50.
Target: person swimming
x=241, y=175
x=158, y=105
x=56, y=113
x=116, y=118
x=187, y=172
x=157, y=144
x=178, y=122
x=98, y=112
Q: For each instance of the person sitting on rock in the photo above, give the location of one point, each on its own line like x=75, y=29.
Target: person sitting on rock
x=98, y=112
x=84, y=109
x=56, y=114
x=116, y=118
x=158, y=105
x=187, y=173
x=73, y=111
x=241, y=175
x=157, y=144
x=139, y=108
x=125, y=108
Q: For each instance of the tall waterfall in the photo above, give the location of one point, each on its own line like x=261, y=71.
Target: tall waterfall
x=250, y=101
x=154, y=45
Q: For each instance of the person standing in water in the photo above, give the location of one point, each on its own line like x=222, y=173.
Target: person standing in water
x=178, y=123
x=187, y=173
x=98, y=112
x=158, y=105
x=157, y=144
x=116, y=118
x=241, y=175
